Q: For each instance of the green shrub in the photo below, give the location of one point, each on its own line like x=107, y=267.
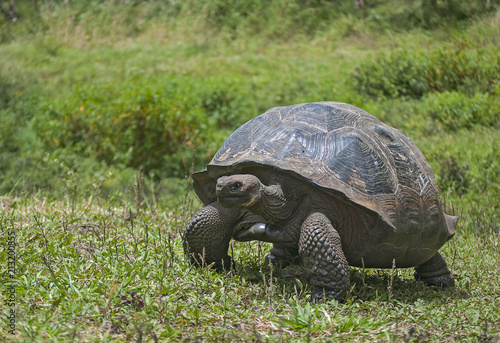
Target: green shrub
x=413, y=74
x=8, y=131
x=455, y=110
x=468, y=173
x=399, y=75
x=488, y=182
x=463, y=68
x=7, y=91
x=287, y=18
x=15, y=114
x=89, y=20
x=454, y=176
x=427, y=14
x=434, y=11
x=153, y=125
x=275, y=19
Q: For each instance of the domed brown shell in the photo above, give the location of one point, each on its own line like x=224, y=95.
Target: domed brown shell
x=348, y=153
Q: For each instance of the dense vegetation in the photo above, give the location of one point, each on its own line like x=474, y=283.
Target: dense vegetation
x=107, y=106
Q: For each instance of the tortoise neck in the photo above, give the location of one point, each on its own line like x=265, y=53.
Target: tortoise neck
x=274, y=205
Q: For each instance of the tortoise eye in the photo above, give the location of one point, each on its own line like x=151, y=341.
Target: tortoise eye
x=235, y=186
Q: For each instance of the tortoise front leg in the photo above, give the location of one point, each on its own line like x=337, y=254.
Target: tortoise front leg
x=207, y=235
x=321, y=252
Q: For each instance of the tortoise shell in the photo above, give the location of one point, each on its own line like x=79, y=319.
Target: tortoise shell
x=346, y=152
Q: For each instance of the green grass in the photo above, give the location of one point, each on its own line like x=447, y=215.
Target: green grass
x=90, y=272
x=79, y=250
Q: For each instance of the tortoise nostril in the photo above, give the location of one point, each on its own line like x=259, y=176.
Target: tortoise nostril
x=235, y=186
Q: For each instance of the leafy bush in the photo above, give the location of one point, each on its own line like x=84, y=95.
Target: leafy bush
x=91, y=19
x=153, y=125
x=468, y=173
x=427, y=14
x=433, y=11
x=8, y=131
x=454, y=176
x=399, y=75
x=275, y=19
x=6, y=91
x=413, y=74
x=455, y=110
x=16, y=140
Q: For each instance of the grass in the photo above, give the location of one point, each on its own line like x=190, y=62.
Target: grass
x=99, y=253
x=94, y=271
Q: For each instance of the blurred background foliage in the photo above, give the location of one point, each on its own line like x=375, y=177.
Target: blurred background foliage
x=93, y=91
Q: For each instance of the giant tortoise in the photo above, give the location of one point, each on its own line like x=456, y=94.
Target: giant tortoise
x=330, y=186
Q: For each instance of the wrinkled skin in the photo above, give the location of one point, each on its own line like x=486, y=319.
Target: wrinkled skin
x=306, y=226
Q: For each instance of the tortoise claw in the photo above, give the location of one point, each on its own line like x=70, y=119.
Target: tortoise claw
x=277, y=261
x=319, y=295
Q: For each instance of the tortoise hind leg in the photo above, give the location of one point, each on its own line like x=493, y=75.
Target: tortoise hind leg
x=321, y=252
x=435, y=272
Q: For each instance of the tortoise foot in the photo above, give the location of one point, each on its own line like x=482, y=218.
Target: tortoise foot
x=276, y=261
x=282, y=257
x=319, y=295
x=439, y=281
x=435, y=272
x=226, y=263
x=220, y=264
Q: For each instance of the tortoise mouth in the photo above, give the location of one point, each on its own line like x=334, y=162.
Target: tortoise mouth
x=231, y=201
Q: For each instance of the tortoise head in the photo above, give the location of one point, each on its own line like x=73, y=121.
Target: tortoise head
x=238, y=190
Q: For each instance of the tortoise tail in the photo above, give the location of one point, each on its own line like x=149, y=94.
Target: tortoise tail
x=451, y=222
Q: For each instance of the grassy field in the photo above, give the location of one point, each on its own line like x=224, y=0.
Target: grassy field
x=95, y=272
x=107, y=106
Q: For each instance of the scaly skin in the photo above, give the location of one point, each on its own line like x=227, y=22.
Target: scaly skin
x=207, y=236
x=321, y=253
x=435, y=272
